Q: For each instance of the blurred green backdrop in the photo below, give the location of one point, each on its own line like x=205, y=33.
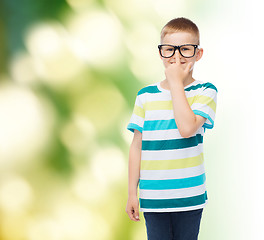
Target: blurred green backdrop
x=69, y=74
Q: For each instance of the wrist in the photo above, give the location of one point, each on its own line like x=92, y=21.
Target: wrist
x=132, y=191
x=176, y=83
x=131, y=196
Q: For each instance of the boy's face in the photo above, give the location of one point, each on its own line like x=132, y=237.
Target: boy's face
x=180, y=38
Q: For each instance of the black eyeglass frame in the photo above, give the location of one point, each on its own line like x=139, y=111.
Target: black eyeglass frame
x=178, y=47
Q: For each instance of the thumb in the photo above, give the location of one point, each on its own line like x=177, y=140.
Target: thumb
x=136, y=213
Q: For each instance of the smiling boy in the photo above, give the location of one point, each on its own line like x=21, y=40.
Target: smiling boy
x=166, y=154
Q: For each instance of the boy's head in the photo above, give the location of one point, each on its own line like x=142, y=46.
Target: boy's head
x=180, y=25
x=178, y=32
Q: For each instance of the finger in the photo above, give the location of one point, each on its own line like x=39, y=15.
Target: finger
x=189, y=67
x=133, y=215
x=130, y=214
x=178, y=60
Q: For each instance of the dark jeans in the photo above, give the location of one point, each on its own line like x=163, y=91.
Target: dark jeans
x=182, y=225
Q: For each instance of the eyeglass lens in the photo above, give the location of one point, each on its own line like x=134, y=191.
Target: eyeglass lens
x=186, y=51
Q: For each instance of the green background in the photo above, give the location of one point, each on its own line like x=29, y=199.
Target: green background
x=69, y=74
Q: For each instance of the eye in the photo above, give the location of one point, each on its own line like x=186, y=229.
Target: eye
x=169, y=49
x=185, y=49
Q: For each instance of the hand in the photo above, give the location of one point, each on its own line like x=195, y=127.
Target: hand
x=176, y=71
x=132, y=208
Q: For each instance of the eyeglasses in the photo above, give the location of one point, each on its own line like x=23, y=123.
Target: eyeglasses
x=186, y=50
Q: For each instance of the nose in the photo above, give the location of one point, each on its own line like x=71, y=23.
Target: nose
x=176, y=52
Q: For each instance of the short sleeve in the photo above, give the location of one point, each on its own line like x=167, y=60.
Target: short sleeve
x=205, y=104
x=138, y=115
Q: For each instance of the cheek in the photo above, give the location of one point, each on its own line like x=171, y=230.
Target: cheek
x=165, y=63
x=193, y=60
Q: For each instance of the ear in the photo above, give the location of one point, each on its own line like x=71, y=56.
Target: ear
x=199, y=54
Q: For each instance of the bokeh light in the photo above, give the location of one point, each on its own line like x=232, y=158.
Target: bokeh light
x=25, y=124
x=15, y=194
x=69, y=74
x=97, y=36
x=50, y=46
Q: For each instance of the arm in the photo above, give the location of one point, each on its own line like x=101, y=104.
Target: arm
x=187, y=122
x=133, y=176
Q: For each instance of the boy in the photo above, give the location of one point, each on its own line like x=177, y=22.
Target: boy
x=166, y=154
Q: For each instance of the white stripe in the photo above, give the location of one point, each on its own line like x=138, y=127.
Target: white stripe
x=172, y=193
x=193, y=93
x=208, y=92
x=172, y=154
x=166, y=134
x=161, y=134
x=148, y=97
x=156, y=114
x=167, y=97
x=156, y=97
x=172, y=173
x=138, y=101
x=202, y=106
x=174, y=209
x=137, y=120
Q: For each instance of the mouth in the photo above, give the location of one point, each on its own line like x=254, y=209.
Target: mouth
x=181, y=62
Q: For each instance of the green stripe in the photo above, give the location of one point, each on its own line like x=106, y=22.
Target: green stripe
x=159, y=105
x=205, y=100
x=167, y=105
x=172, y=143
x=139, y=111
x=172, y=163
x=173, y=203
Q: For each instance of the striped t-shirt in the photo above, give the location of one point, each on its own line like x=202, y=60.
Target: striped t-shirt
x=172, y=173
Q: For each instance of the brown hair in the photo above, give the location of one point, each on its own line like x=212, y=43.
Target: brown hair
x=180, y=24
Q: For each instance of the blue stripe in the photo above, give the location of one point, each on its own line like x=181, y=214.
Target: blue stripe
x=210, y=85
x=151, y=125
x=194, y=87
x=172, y=183
x=172, y=143
x=174, y=202
x=149, y=89
x=132, y=126
x=206, y=125
x=205, y=85
x=154, y=89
